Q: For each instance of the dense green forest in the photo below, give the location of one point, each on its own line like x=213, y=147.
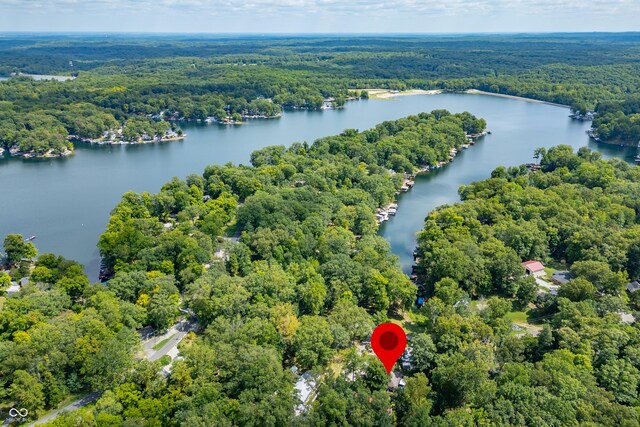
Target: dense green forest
x=306, y=279
x=180, y=77
x=281, y=265
x=579, y=213
x=619, y=121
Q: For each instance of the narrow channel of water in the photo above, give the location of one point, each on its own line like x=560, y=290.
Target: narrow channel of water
x=65, y=203
x=518, y=127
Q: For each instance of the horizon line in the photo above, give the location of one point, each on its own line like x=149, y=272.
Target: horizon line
x=269, y=33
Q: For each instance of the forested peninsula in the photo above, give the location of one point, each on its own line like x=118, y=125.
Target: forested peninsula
x=572, y=358
x=138, y=89
x=280, y=272
x=307, y=277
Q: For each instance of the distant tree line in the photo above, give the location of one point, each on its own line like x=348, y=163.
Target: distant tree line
x=164, y=78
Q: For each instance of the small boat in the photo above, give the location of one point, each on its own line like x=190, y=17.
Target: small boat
x=30, y=239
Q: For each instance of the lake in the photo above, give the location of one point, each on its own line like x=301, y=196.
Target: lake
x=44, y=77
x=66, y=202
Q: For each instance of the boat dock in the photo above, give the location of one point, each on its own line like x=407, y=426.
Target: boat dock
x=408, y=183
x=384, y=213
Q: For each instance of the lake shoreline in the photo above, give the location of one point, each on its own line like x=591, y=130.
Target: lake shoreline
x=122, y=142
x=67, y=203
x=67, y=152
x=522, y=98
x=390, y=94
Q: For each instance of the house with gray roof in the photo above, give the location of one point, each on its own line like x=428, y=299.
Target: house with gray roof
x=633, y=286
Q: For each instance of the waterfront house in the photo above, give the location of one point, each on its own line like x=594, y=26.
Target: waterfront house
x=534, y=268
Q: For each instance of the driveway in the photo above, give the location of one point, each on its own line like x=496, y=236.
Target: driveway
x=175, y=333
x=83, y=401
x=549, y=287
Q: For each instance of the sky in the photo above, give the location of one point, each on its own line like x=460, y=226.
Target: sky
x=319, y=16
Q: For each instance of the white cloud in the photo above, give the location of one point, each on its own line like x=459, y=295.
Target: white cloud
x=319, y=15
x=334, y=6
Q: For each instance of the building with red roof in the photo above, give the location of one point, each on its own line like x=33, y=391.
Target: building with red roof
x=534, y=268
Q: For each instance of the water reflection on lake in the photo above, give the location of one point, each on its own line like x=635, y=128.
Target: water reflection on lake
x=66, y=202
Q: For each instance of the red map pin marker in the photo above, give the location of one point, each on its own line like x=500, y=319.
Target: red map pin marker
x=388, y=342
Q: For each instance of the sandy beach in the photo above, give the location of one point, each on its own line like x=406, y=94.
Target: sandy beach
x=388, y=94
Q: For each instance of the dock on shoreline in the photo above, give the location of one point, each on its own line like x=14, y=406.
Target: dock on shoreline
x=408, y=183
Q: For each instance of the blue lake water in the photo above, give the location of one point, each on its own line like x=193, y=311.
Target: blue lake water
x=65, y=203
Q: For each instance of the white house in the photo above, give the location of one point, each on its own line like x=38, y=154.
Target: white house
x=305, y=387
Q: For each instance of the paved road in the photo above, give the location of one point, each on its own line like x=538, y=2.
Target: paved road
x=83, y=401
x=176, y=332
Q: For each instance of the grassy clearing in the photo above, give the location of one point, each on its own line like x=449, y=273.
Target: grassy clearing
x=476, y=306
x=162, y=343
x=517, y=317
x=549, y=271
x=379, y=94
x=409, y=321
x=473, y=306
x=521, y=318
x=337, y=363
